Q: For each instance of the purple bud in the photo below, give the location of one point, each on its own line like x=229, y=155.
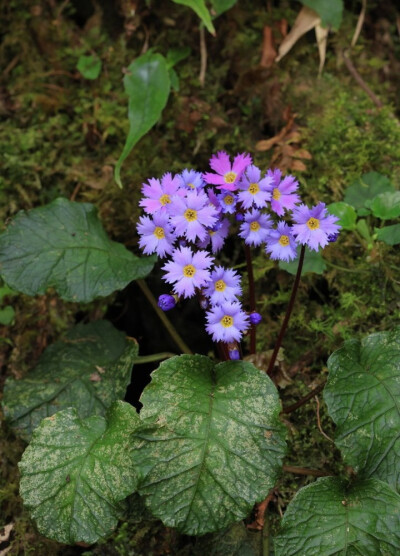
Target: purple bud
x=182, y=243
x=333, y=237
x=166, y=302
x=204, y=303
x=239, y=217
x=234, y=354
x=255, y=318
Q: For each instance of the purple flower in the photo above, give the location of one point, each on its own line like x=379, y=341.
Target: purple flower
x=166, y=302
x=188, y=270
x=234, y=354
x=191, y=215
x=281, y=243
x=158, y=195
x=227, y=322
x=254, y=190
x=255, y=228
x=227, y=174
x=255, y=318
x=190, y=179
x=227, y=201
x=156, y=235
x=282, y=192
x=313, y=226
x=216, y=237
x=224, y=285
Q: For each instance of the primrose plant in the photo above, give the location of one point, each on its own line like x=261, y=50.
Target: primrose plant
x=206, y=450
x=189, y=217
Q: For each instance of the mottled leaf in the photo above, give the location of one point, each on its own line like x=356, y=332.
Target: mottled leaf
x=366, y=188
x=211, y=443
x=201, y=10
x=330, y=11
x=313, y=262
x=362, y=395
x=389, y=234
x=89, y=66
x=75, y=471
x=386, y=205
x=88, y=369
x=346, y=214
x=63, y=245
x=330, y=517
x=147, y=85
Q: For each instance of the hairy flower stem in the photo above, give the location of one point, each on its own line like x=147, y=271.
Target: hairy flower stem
x=288, y=311
x=252, y=296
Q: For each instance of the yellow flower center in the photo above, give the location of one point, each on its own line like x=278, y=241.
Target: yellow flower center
x=228, y=200
x=226, y=321
x=165, y=199
x=189, y=271
x=313, y=223
x=284, y=241
x=254, y=188
x=276, y=194
x=191, y=186
x=230, y=177
x=220, y=286
x=211, y=232
x=159, y=232
x=255, y=226
x=190, y=215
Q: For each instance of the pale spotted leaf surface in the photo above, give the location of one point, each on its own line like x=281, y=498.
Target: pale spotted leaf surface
x=331, y=517
x=88, y=369
x=75, y=472
x=210, y=444
x=64, y=245
x=363, y=398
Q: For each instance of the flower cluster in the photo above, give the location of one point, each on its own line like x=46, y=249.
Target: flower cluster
x=189, y=216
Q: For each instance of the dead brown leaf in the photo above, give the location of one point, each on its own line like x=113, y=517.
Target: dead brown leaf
x=306, y=20
x=268, y=54
x=95, y=377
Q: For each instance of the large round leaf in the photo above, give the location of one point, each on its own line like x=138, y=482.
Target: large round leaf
x=64, y=245
x=74, y=473
x=362, y=395
x=329, y=517
x=211, y=443
x=88, y=369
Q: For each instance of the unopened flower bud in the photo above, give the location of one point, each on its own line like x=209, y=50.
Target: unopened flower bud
x=333, y=237
x=234, y=354
x=255, y=318
x=239, y=217
x=166, y=302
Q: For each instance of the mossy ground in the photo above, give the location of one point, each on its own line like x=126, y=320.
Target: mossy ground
x=61, y=136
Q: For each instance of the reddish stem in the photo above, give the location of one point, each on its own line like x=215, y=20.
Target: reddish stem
x=288, y=311
x=252, y=296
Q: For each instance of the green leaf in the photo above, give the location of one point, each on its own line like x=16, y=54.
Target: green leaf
x=221, y=6
x=176, y=55
x=362, y=395
x=313, y=262
x=75, y=471
x=64, y=245
x=199, y=7
x=211, y=443
x=147, y=85
x=332, y=517
x=88, y=370
x=386, y=205
x=346, y=214
x=330, y=11
x=7, y=315
x=389, y=234
x=89, y=66
x=366, y=188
